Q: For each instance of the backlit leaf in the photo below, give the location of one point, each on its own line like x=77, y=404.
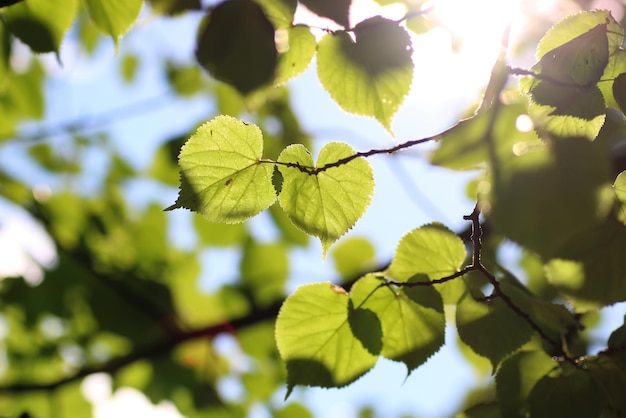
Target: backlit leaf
x=529, y=194
x=234, y=38
x=315, y=339
x=431, y=250
x=574, y=55
x=490, y=327
x=300, y=47
x=371, y=75
x=279, y=12
x=619, y=186
x=412, y=319
x=609, y=373
x=516, y=378
x=571, y=392
x=619, y=91
x=326, y=204
x=221, y=176
x=589, y=270
x=114, y=17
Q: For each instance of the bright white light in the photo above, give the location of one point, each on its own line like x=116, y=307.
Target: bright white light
x=124, y=403
x=478, y=25
x=25, y=247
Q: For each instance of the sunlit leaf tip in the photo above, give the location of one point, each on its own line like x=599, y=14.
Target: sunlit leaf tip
x=327, y=203
x=222, y=177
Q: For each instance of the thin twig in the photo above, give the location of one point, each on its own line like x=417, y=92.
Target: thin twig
x=316, y=170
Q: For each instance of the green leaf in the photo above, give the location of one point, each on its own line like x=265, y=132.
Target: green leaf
x=516, y=378
x=328, y=202
x=619, y=186
x=431, y=250
x=353, y=256
x=589, y=270
x=610, y=376
x=619, y=91
x=41, y=24
x=113, y=17
x=298, y=44
x=617, y=339
x=186, y=80
x=315, y=339
x=566, y=112
x=218, y=234
x=570, y=393
x=581, y=60
x=372, y=75
x=574, y=56
x=412, y=319
x=234, y=38
x=554, y=319
x=579, y=47
x=337, y=10
x=129, y=66
x=264, y=270
x=279, y=12
x=221, y=175
x=530, y=193
x=490, y=327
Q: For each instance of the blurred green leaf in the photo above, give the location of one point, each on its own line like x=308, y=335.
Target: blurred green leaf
x=265, y=269
x=516, y=378
x=529, y=194
x=572, y=392
x=234, y=37
x=353, y=256
x=129, y=66
x=113, y=17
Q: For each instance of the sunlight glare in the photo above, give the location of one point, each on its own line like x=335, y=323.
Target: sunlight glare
x=478, y=20
x=478, y=25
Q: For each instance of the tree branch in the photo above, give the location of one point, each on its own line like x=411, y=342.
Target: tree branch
x=316, y=170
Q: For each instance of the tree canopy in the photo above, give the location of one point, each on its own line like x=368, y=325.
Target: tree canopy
x=122, y=296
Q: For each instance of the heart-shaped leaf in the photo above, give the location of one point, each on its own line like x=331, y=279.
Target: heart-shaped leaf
x=324, y=200
x=315, y=339
x=222, y=177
